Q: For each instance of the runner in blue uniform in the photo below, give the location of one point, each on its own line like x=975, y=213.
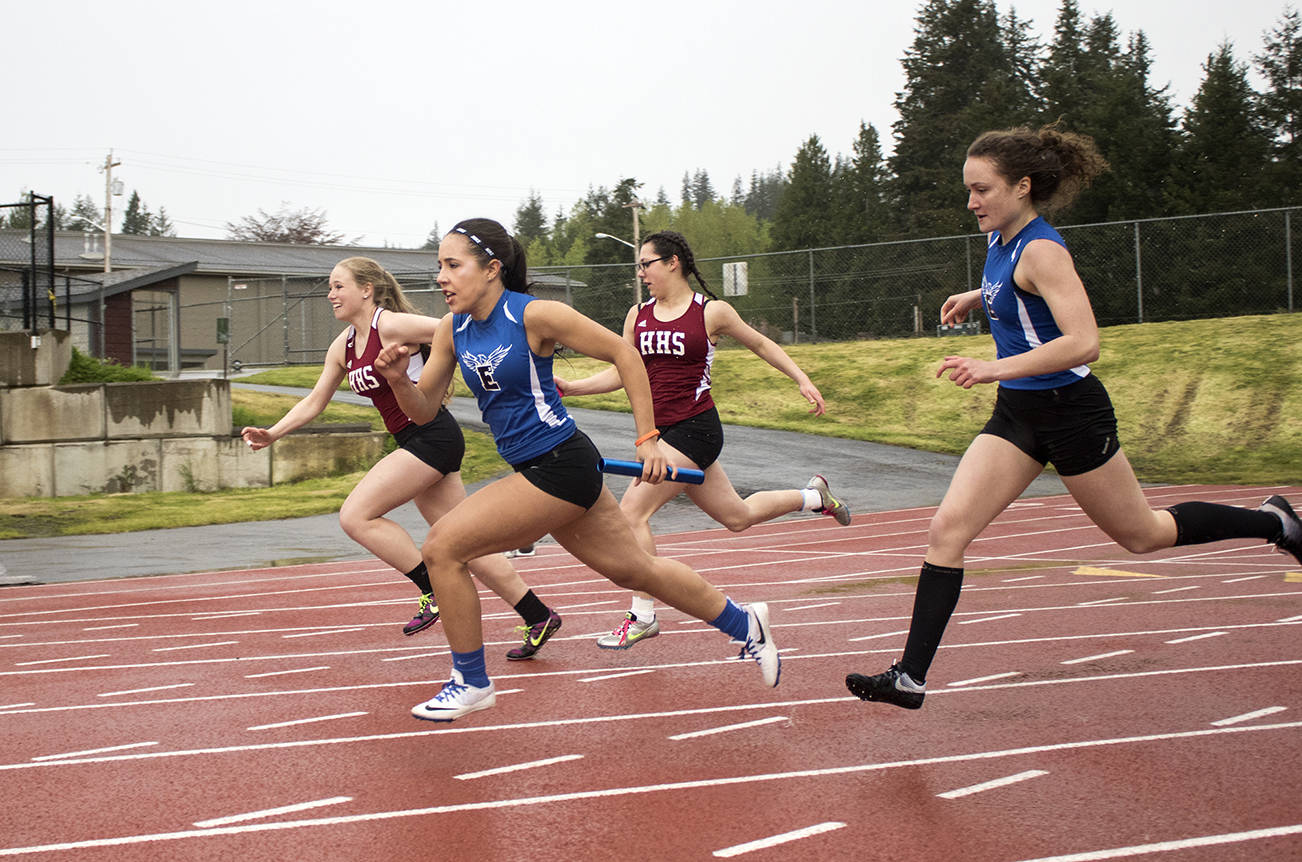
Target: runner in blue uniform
x=504, y=339
x=1049, y=407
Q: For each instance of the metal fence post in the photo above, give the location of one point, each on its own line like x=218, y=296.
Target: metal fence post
x=1288, y=256
x=813, y=315
x=1139, y=280
x=284, y=315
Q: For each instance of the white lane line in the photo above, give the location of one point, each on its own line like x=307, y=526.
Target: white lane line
x=283, y=672
x=585, y=605
x=988, y=619
x=1196, y=637
x=517, y=802
x=882, y=635
x=509, y=691
x=226, y=616
x=1248, y=716
x=773, y=719
x=1101, y=655
x=811, y=607
x=992, y=784
x=143, y=690
x=978, y=679
x=7, y=637
x=518, y=767
x=194, y=646
x=421, y=655
x=775, y=840
x=1290, y=620
x=1019, y=580
x=306, y=720
x=56, y=660
x=45, y=757
x=1177, y=844
x=324, y=632
x=17, y=705
x=1177, y=590
x=1101, y=601
x=616, y=675
x=118, y=626
x=1248, y=578
x=272, y=812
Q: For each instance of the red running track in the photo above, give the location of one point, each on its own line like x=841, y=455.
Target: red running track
x=1086, y=704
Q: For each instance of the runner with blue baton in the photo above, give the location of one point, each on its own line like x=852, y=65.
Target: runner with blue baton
x=617, y=467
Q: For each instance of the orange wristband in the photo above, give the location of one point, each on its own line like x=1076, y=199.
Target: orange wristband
x=650, y=435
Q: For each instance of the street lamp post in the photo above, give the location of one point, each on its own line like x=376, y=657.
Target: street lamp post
x=637, y=282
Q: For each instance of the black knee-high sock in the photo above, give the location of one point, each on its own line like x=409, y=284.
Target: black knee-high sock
x=938, y=589
x=1196, y=523
x=532, y=610
x=420, y=577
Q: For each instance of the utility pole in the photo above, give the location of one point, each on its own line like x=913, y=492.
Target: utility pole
x=107, y=168
x=636, y=205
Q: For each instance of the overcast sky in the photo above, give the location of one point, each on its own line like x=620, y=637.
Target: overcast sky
x=395, y=115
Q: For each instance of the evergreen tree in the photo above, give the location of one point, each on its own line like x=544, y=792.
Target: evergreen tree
x=530, y=220
x=161, y=225
x=432, y=239
x=84, y=216
x=965, y=73
x=1225, y=148
x=738, y=197
x=702, y=190
x=764, y=193
x=803, y=219
x=1280, y=106
x=864, y=211
x=136, y=220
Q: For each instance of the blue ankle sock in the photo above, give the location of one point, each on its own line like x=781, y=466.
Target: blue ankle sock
x=733, y=621
x=472, y=667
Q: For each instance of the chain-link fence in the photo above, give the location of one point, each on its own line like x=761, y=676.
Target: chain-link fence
x=285, y=319
x=27, y=289
x=1153, y=269
x=1217, y=265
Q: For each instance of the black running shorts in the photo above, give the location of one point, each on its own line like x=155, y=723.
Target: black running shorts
x=1073, y=427
x=699, y=437
x=438, y=443
x=569, y=472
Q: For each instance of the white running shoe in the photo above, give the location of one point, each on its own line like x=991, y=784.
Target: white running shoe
x=759, y=644
x=455, y=699
x=831, y=507
x=628, y=632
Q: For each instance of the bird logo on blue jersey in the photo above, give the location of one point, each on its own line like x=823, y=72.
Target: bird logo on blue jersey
x=989, y=290
x=484, y=366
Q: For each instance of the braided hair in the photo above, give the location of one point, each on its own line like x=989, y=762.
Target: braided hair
x=671, y=242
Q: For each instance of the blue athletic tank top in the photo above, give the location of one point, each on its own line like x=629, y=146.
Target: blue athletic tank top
x=1020, y=321
x=513, y=384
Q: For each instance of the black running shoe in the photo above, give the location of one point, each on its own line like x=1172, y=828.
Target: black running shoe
x=894, y=686
x=1290, y=540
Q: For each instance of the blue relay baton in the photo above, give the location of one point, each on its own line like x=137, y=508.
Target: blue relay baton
x=634, y=468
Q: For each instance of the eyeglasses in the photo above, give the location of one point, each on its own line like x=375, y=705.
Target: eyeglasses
x=643, y=264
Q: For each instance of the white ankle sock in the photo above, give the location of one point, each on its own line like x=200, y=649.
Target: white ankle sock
x=813, y=500
x=644, y=609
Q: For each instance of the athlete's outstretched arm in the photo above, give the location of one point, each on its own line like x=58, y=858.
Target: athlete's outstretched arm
x=722, y=319
x=309, y=406
x=398, y=327
x=605, y=380
x=421, y=400
x=547, y=322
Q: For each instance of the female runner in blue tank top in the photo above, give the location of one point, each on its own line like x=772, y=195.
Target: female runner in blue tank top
x=1049, y=407
x=504, y=339
x=426, y=466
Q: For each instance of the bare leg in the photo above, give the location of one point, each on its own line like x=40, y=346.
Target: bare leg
x=396, y=478
x=1110, y=495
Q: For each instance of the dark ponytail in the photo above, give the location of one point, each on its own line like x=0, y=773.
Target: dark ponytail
x=671, y=242
x=489, y=241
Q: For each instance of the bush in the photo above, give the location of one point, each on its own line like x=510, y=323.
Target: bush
x=88, y=369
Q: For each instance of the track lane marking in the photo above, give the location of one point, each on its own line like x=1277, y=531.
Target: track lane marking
x=745, y=725
x=637, y=790
x=775, y=840
x=285, y=672
x=145, y=690
x=1176, y=844
x=1202, y=636
x=1249, y=716
x=992, y=784
x=273, y=812
x=313, y=720
x=518, y=767
x=46, y=758
x=1097, y=657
